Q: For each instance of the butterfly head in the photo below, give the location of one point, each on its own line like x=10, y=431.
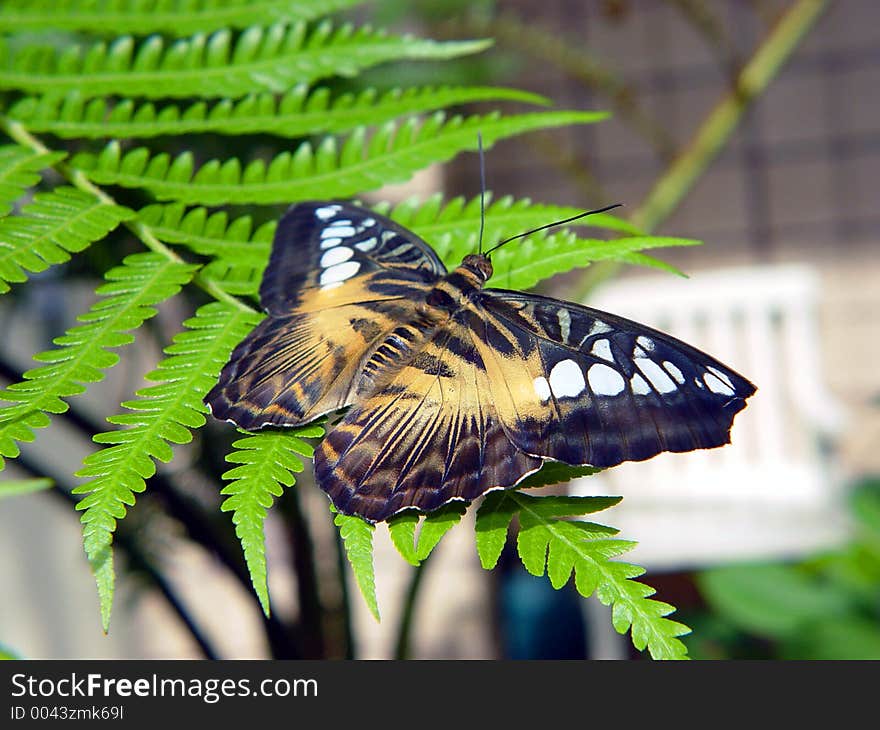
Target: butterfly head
x=479, y=265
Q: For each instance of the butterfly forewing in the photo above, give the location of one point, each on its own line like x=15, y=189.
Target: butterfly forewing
x=321, y=248
x=587, y=387
x=340, y=280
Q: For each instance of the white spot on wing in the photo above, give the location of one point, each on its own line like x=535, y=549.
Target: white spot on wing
x=602, y=348
x=598, y=328
x=336, y=256
x=564, y=323
x=676, y=374
x=645, y=342
x=639, y=385
x=721, y=376
x=337, y=230
x=339, y=273
x=605, y=380
x=328, y=211
x=656, y=375
x=566, y=379
x=330, y=243
x=542, y=388
x=367, y=245
x=716, y=385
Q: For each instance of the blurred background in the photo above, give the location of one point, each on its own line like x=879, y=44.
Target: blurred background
x=769, y=548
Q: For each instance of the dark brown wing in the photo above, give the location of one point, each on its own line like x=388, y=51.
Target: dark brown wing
x=339, y=281
x=430, y=435
x=586, y=387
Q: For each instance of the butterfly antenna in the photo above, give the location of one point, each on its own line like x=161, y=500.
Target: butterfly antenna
x=482, y=191
x=552, y=225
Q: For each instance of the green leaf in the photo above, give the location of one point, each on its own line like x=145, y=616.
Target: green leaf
x=549, y=542
x=267, y=463
x=392, y=154
x=84, y=351
x=20, y=170
x=16, y=487
x=436, y=524
x=55, y=225
x=493, y=521
x=555, y=472
x=164, y=413
x=357, y=536
x=402, y=529
x=142, y=17
x=300, y=112
x=772, y=600
x=274, y=59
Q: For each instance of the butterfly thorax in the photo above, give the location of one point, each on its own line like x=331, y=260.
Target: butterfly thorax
x=456, y=290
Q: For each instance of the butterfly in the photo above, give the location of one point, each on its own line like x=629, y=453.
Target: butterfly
x=453, y=389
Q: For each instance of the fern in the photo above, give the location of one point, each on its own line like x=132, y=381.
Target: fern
x=267, y=463
x=273, y=58
x=549, y=542
x=240, y=252
x=299, y=112
x=164, y=414
x=357, y=535
x=56, y=224
x=434, y=526
x=19, y=170
x=392, y=154
x=129, y=298
x=180, y=17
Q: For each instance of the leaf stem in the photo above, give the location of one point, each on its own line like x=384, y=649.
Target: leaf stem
x=18, y=132
x=719, y=125
x=404, y=629
x=713, y=134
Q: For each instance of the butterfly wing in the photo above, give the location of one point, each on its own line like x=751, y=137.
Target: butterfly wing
x=339, y=281
x=586, y=387
x=428, y=436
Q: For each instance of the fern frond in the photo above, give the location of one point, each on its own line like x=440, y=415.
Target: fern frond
x=56, y=224
x=141, y=17
x=539, y=257
x=434, y=526
x=274, y=59
x=548, y=542
x=267, y=463
x=129, y=298
x=241, y=253
x=298, y=113
x=357, y=536
x=453, y=229
x=19, y=170
x=164, y=414
x=392, y=154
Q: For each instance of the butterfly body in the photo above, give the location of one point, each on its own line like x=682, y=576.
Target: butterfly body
x=453, y=388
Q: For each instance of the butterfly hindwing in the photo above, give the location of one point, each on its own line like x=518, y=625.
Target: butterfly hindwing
x=340, y=279
x=587, y=387
x=429, y=435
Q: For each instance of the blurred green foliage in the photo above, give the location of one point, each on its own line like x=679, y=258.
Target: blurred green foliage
x=824, y=607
